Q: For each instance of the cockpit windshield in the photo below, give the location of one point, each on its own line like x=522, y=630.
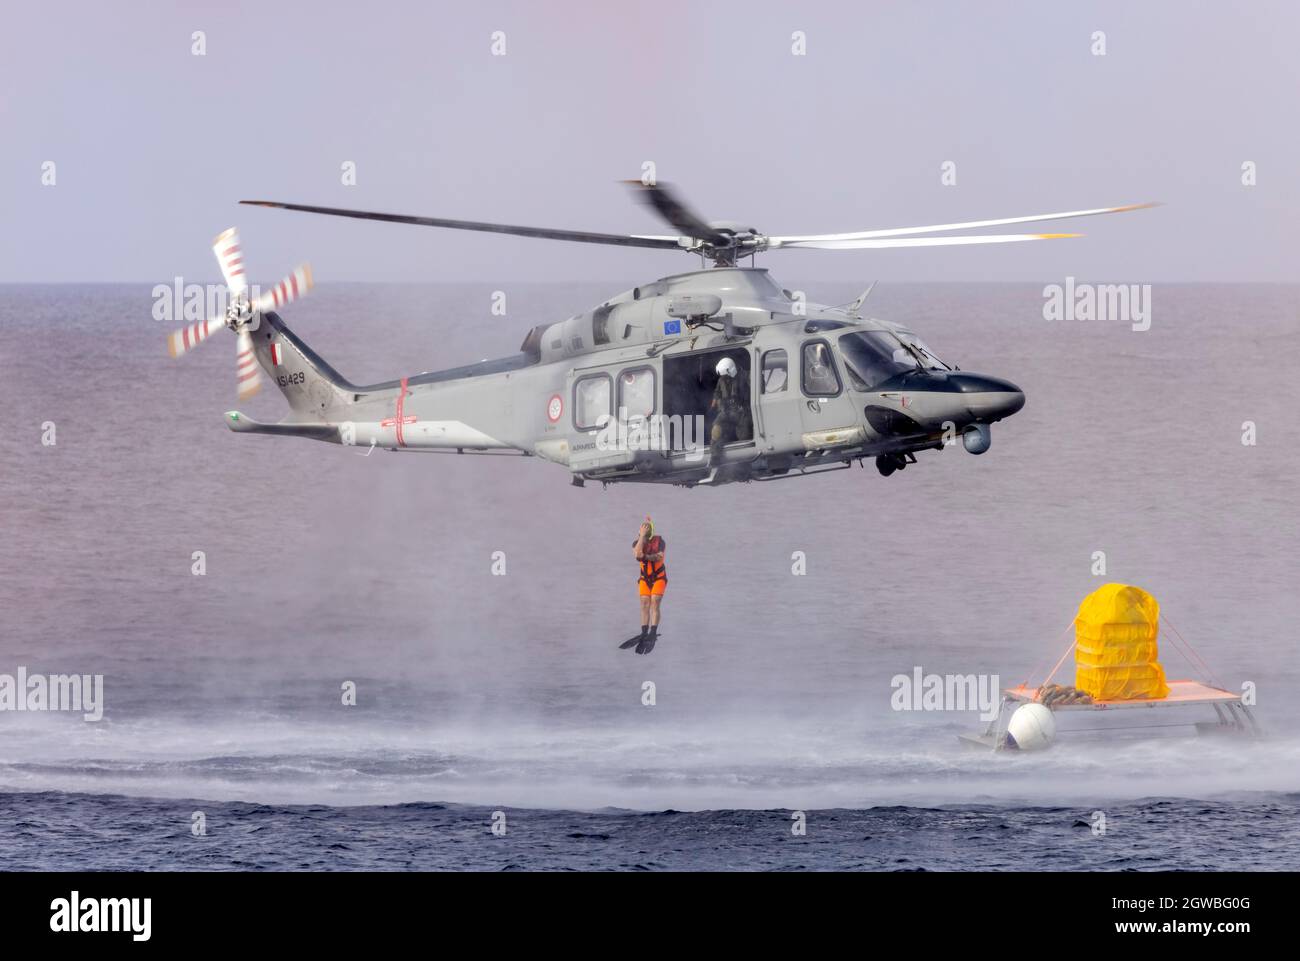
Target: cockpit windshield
x=932, y=362
x=873, y=356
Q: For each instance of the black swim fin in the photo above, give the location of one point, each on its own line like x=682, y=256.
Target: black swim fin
x=631, y=642
x=647, y=645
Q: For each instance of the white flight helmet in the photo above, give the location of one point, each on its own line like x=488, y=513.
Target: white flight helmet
x=726, y=367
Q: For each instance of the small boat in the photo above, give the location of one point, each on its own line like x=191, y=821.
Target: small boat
x=1188, y=705
x=1117, y=670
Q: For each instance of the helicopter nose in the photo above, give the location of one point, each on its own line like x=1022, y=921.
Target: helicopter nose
x=988, y=398
x=934, y=399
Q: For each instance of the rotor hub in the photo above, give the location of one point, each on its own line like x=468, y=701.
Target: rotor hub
x=239, y=311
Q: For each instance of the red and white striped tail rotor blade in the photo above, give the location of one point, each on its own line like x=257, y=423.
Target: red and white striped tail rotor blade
x=286, y=291
x=230, y=255
x=248, y=376
x=187, y=338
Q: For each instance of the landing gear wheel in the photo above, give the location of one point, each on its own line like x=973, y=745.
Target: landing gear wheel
x=888, y=463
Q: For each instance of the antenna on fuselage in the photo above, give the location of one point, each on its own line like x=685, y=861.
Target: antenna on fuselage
x=862, y=299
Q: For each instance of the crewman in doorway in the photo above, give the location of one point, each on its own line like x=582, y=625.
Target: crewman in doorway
x=648, y=549
x=730, y=410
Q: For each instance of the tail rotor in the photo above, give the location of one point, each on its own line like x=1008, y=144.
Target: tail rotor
x=243, y=314
x=248, y=378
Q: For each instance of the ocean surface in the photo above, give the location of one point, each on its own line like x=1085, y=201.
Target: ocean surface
x=479, y=694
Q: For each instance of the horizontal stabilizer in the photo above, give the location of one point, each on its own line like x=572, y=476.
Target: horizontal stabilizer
x=242, y=424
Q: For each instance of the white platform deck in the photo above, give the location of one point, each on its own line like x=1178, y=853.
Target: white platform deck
x=1180, y=693
x=1230, y=714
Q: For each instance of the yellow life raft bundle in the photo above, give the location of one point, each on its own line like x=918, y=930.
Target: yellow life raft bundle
x=1115, y=645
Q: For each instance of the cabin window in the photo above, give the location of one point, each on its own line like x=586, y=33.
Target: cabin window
x=775, y=374
x=591, y=397
x=820, y=379
x=636, y=392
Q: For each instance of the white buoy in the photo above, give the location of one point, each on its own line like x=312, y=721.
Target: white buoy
x=1031, y=728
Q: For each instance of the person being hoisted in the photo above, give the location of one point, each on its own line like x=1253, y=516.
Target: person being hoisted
x=730, y=410
x=648, y=549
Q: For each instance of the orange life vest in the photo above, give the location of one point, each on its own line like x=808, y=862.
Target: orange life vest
x=653, y=571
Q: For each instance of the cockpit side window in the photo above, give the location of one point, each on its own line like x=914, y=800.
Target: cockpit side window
x=820, y=378
x=775, y=373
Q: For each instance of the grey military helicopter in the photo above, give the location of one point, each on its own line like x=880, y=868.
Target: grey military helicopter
x=622, y=392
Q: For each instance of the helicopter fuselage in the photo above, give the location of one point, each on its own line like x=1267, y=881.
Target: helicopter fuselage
x=625, y=392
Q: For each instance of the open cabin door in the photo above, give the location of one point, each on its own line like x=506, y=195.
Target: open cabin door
x=690, y=382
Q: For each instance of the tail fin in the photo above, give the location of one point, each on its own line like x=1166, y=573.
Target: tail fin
x=310, y=385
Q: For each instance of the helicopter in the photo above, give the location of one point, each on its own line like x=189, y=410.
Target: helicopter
x=624, y=392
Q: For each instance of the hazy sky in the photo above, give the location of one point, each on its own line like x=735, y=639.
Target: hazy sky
x=153, y=145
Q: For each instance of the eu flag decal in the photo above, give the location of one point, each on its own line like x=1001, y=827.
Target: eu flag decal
x=672, y=326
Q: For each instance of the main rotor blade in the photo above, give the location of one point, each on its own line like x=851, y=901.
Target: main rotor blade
x=549, y=233
x=669, y=205
x=865, y=243
x=970, y=225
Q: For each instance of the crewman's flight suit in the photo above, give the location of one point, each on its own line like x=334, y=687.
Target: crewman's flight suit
x=731, y=419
